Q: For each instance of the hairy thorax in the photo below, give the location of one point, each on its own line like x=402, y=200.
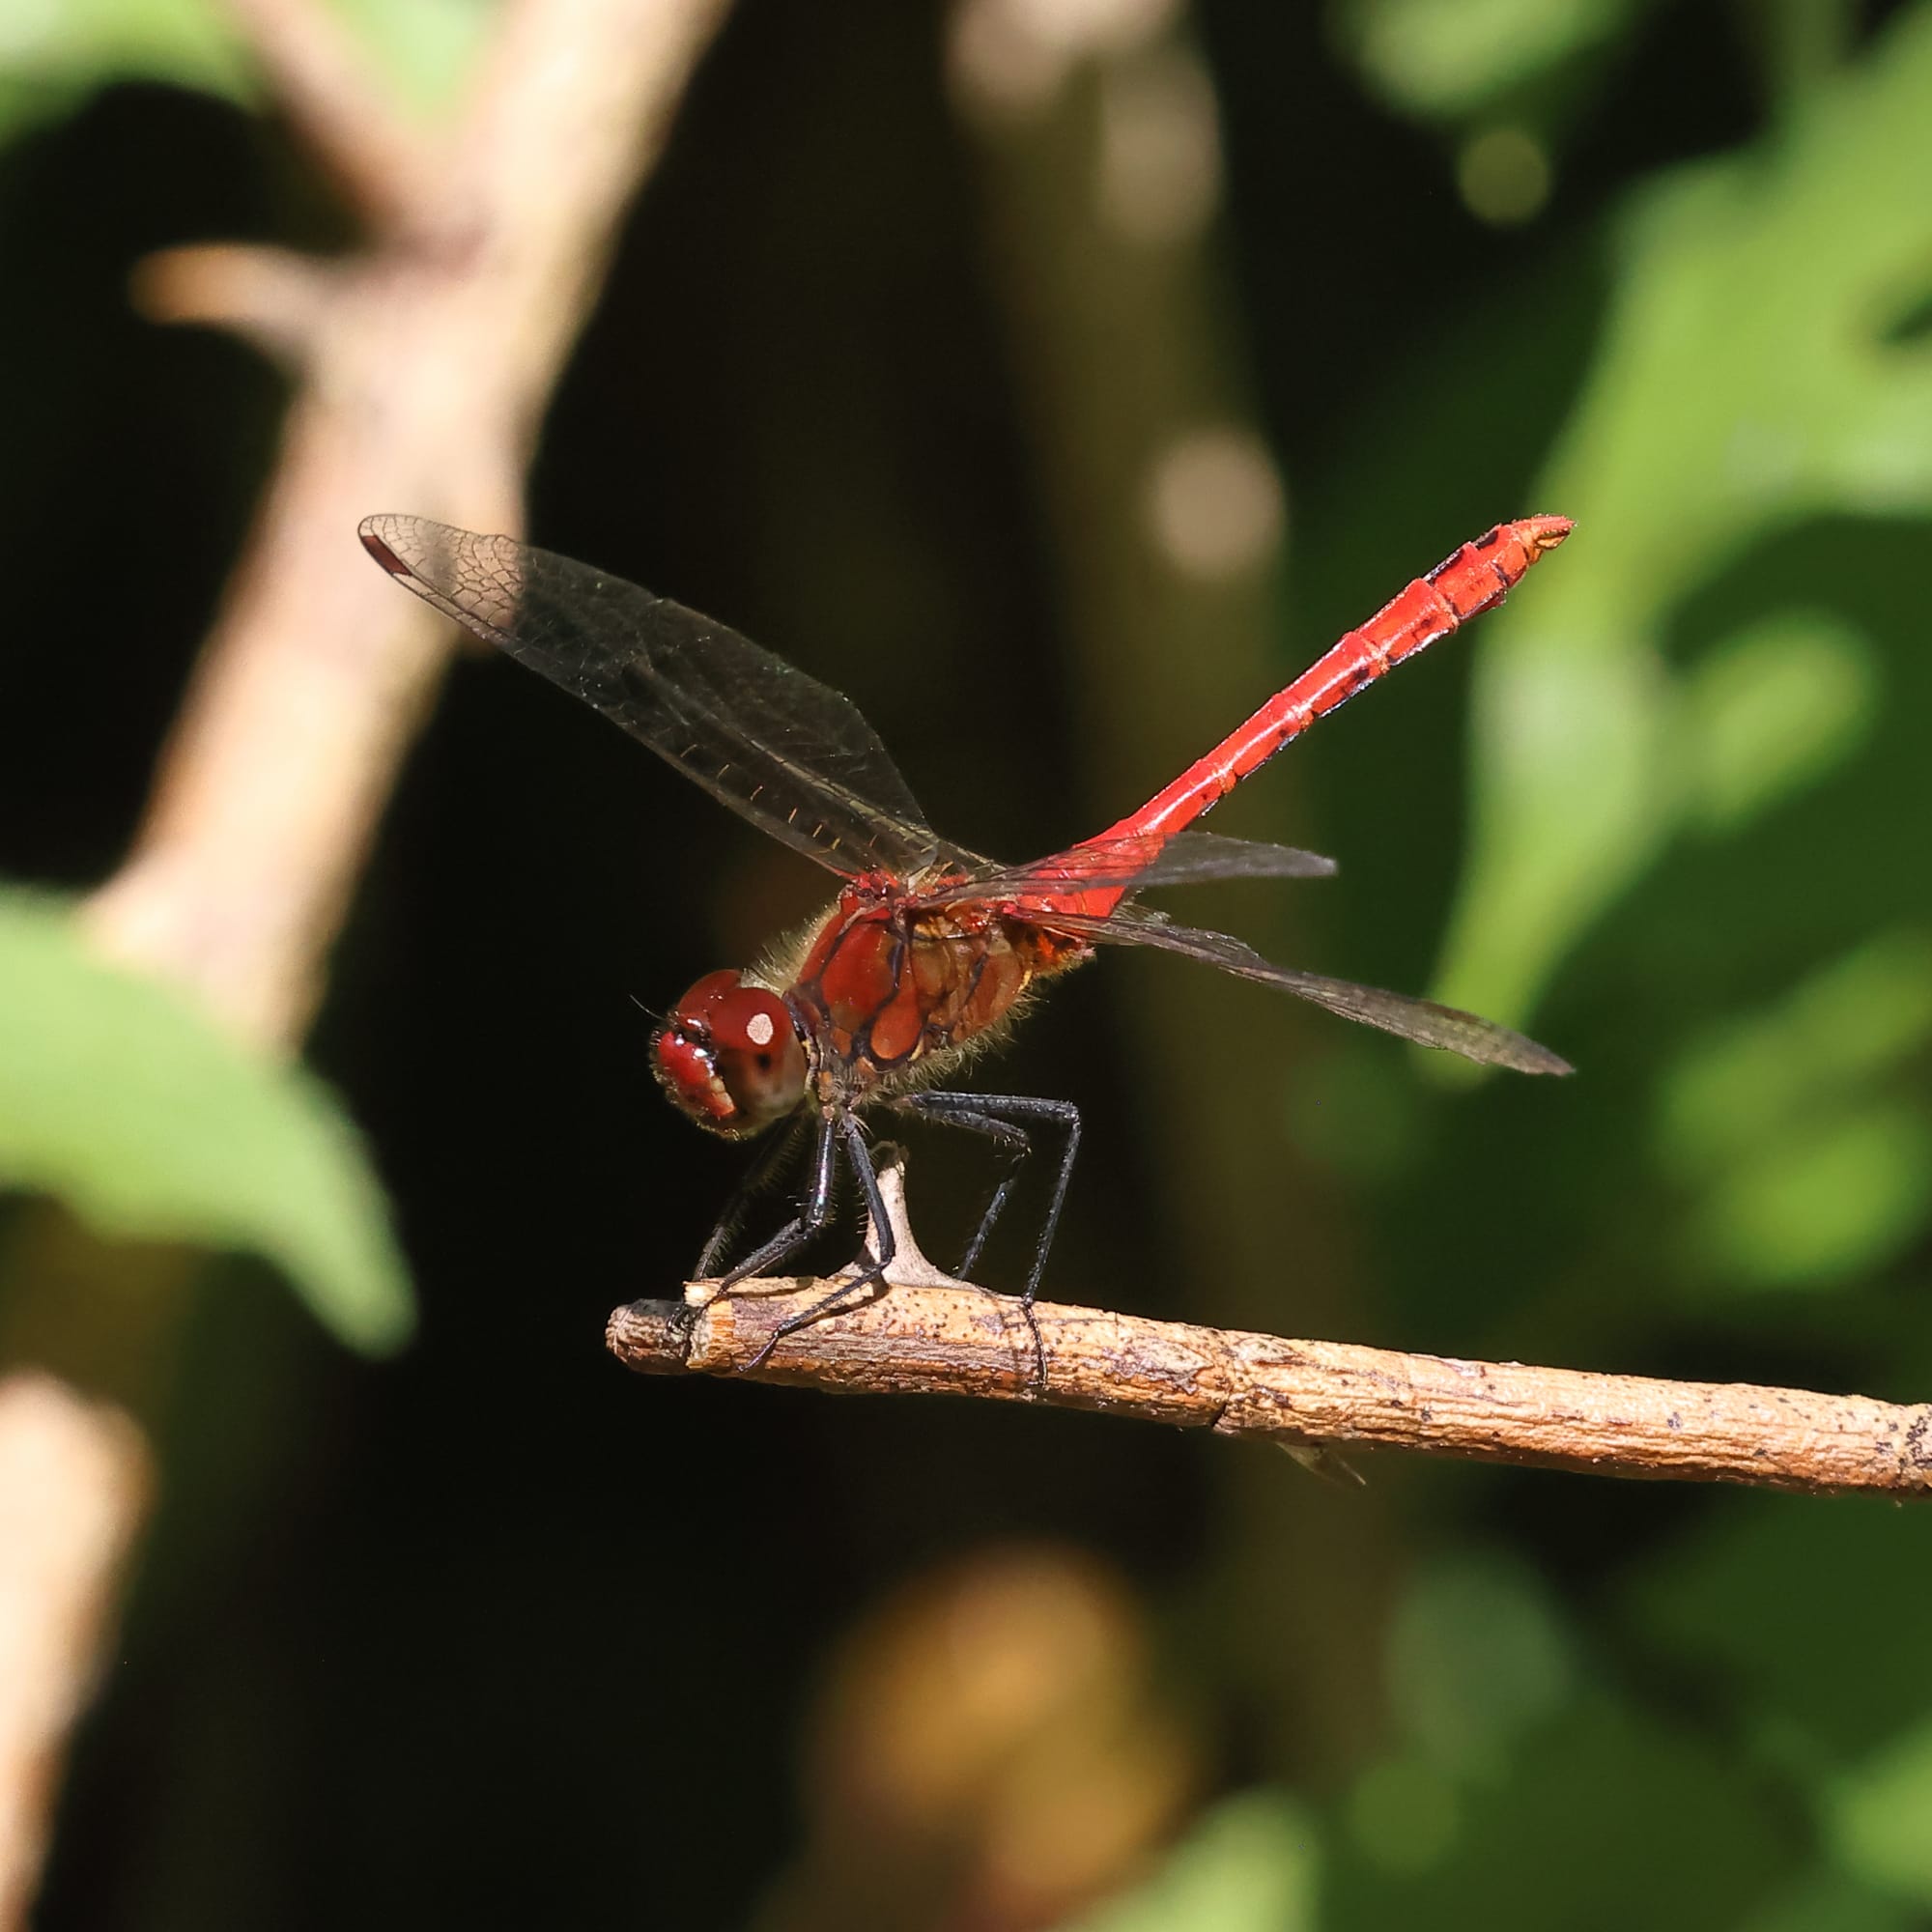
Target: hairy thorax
x=890, y=993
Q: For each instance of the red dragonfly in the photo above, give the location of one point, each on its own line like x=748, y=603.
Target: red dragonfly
x=929, y=949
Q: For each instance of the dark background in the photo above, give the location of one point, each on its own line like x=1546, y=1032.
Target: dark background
x=493, y=1631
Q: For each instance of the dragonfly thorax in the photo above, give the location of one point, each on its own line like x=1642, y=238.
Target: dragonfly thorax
x=731, y=1056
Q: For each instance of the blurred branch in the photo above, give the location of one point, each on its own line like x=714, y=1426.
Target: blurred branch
x=338, y=104
x=961, y=1340
x=74, y=1479
x=423, y=367
x=271, y=297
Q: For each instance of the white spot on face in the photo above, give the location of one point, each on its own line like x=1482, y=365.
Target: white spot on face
x=759, y=1029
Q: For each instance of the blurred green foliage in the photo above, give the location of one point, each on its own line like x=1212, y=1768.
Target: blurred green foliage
x=1702, y=681
x=1752, y=378
x=1811, y=1160
x=154, y=1124
x=1791, y=1626
x=1455, y=58
x=55, y=53
x=1249, y=1866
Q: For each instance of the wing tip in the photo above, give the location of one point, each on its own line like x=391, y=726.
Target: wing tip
x=375, y=533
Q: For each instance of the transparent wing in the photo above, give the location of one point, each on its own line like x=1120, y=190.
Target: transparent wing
x=778, y=746
x=1422, y=1021
x=1188, y=858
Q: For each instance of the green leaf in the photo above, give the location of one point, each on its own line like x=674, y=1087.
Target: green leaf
x=425, y=46
x=120, y=1097
x=1857, y=1019
x=1788, y=1617
x=1477, y=1659
x=1827, y=1201
x=1804, y=1174
x=1549, y=1844
x=1756, y=371
x=1779, y=704
x=53, y=53
x=1441, y=58
x=1790, y=1614
x=1880, y=1816
x=1250, y=1865
x=1828, y=1901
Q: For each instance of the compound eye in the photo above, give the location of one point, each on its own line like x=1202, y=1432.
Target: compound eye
x=731, y=1057
x=747, y=1019
x=759, y=1056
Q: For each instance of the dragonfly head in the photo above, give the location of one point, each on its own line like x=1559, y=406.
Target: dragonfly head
x=731, y=1057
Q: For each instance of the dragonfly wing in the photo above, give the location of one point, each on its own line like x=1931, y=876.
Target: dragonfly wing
x=1422, y=1021
x=1188, y=858
x=774, y=744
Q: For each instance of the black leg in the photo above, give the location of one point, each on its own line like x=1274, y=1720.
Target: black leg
x=997, y=1116
x=1015, y=1142
x=860, y=1157
x=813, y=1210
x=771, y=1156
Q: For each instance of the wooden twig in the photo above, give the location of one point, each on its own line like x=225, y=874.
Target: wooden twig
x=928, y=1334
x=959, y=1339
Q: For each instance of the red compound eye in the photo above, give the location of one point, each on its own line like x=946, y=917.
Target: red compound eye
x=731, y=1057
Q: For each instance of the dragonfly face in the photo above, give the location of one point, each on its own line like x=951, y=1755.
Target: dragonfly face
x=731, y=1057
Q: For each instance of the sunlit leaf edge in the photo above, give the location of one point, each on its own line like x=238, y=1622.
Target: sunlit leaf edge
x=121, y=1098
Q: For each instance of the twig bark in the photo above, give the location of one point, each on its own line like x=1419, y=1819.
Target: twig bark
x=961, y=1339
